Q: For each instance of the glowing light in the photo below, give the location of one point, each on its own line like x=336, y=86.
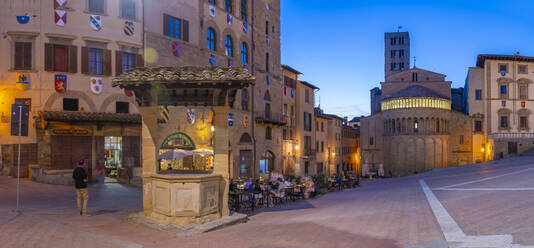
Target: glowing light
x=482, y=149
x=212, y=128
x=415, y=103
x=297, y=147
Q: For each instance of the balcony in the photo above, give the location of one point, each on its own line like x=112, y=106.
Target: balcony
x=270, y=118
x=308, y=153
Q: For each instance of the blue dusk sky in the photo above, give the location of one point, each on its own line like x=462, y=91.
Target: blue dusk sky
x=339, y=44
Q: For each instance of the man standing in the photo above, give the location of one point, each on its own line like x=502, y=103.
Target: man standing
x=80, y=182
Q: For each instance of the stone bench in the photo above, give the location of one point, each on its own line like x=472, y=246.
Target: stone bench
x=61, y=177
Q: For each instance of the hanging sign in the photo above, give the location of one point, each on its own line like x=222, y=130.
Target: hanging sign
x=60, y=83
x=245, y=121
x=128, y=28
x=96, y=22
x=285, y=90
x=245, y=68
x=23, y=81
x=212, y=11
x=23, y=19
x=60, y=17
x=190, y=115
x=212, y=60
x=96, y=85
x=230, y=62
x=176, y=48
x=230, y=119
x=292, y=93
x=229, y=19
x=245, y=27
x=19, y=112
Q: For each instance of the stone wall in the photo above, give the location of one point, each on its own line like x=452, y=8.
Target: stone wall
x=28, y=155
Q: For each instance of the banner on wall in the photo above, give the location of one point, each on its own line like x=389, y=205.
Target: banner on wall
x=60, y=4
x=229, y=19
x=60, y=83
x=96, y=22
x=23, y=81
x=230, y=62
x=190, y=115
x=128, y=93
x=212, y=11
x=60, y=17
x=230, y=119
x=23, y=19
x=245, y=68
x=129, y=28
x=212, y=60
x=176, y=48
x=245, y=27
x=96, y=85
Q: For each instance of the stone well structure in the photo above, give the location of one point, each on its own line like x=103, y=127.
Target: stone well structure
x=186, y=111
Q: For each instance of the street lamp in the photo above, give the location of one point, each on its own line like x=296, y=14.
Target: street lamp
x=297, y=147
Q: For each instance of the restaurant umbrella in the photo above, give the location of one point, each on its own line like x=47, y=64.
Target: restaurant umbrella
x=203, y=151
x=175, y=154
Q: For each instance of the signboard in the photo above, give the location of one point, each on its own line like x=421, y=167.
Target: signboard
x=19, y=112
x=69, y=132
x=230, y=119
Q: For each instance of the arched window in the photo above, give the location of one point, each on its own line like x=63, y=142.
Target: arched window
x=245, y=139
x=244, y=10
x=244, y=53
x=228, y=7
x=210, y=39
x=228, y=46
x=178, y=154
x=266, y=162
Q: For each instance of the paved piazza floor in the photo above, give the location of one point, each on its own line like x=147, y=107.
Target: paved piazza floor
x=484, y=205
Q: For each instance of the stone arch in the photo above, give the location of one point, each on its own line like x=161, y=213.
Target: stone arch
x=524, y=81
x=113, y=98
x=504, y=80
x=245, y=139
x=71, y=93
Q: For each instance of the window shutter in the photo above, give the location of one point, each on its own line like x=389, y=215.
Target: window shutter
x=19, y=50
x=166, y=25
x=185, y=31
x=107, y=62
x=85, y=60
x=49, y=57
x=27, y=55
x=73, y=59
x=139, y=62
x=118, y=63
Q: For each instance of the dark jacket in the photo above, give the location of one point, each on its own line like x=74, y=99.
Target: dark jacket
x=79, y=175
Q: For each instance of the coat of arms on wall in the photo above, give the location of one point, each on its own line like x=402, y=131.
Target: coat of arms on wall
x=245, y=121
x=23, y=19
x=96, y=85
x=230, y=119
x=60, y=83
x=96, y=22
x=190, y=115
x=129, y=28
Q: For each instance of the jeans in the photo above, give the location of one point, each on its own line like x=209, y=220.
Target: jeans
x=82, y=193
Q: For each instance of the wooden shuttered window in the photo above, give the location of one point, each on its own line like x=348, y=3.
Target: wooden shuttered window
x=118, y=63
x=139, y=62
x=85, y=60
x=107, y=62
x=61, y=58
x=96, y=66
x=23, y=55
x=179, y=31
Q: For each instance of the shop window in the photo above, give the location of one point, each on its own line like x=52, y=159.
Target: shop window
x=23, y=55
x=113, y=153
x=128, y=9
x=122, y=107
x=266, y=162
x=70, y=104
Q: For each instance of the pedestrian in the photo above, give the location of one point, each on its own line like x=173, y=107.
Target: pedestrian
x=101, y=172
x=80, y=182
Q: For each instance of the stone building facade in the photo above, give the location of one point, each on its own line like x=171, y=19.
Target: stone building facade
x=59, y=60
x=350, y=139
x=416, y=129
x=499, y=95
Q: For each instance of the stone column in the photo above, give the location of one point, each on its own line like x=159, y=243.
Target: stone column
x=149, y=136
x=220, y=150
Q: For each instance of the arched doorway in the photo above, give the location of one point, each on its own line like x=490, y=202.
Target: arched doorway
x=245, y=156
x=266, y=162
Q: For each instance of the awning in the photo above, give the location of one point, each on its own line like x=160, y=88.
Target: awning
x=74, y=116
x=179, y=153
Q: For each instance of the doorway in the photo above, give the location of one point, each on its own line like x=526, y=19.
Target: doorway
x=112, y=157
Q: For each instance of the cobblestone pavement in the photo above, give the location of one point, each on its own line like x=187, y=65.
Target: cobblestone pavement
x=485, y=205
